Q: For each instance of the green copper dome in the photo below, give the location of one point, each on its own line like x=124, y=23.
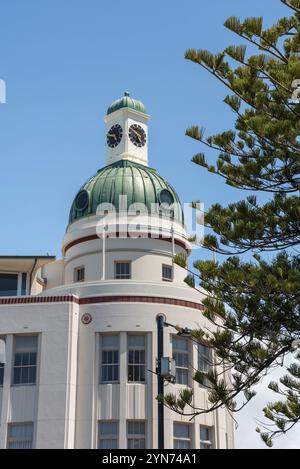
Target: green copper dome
x=127, y=101
x=139, y=183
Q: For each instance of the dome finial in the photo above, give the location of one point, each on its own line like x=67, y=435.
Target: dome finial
x=127, y=93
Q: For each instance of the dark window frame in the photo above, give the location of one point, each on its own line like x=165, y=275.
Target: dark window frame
x=79, y=274
x=136, y=440
x=179, y=441
x=103, y=437
x=25, y=364
x=169, y=277
x=105, y=366
x=14, y=440
x=122, y=275
x=182, y=360
x=136, y=361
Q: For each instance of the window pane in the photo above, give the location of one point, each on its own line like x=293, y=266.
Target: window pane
x=24, y=375
x=109, y=428
x=32, y=375
x=204, y=361
x=26, y=343
x=136, y=358
x=79, y=274
x=19, y=436
x=136, y=340
x=122, y=270
x=17, y=375
x=104, y=374
x=110, y=358
x=182, y=376
x=142, y=373
x=181, y=430
x=23, y=286
x=136, y=435
x=115, y=373
x=25, y=360
x=204, y=433
x=32, y=358
x=108, y=435
x=130, y=373
x=180, y=344
x=1, y=374
x=182, y=444
x=108, y=444
x=166, y=272
x=19, y=445
x=20, y=430
x=204, y=357
x=181, y=359
x=8, y=284
x=18, y=359
x=181, y=435
x=110, y=341
x=104, y=357
x=136, y=428
x=136, y=443
x=181, y=356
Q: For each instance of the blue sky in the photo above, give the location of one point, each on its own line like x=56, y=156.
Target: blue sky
x=65, y=61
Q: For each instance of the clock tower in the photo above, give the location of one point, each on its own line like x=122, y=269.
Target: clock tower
x=127, y=131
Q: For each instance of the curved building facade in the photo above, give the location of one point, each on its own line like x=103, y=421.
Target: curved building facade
x=78, y=336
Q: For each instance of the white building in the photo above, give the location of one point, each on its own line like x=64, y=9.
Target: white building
x=79, y=335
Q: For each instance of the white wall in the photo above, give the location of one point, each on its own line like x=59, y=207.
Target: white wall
x=49, y=404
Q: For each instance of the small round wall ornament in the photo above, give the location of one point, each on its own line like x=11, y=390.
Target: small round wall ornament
x=86, y=318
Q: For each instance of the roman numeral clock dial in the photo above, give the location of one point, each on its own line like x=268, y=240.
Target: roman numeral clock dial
x=137, y=135
x=114, y=136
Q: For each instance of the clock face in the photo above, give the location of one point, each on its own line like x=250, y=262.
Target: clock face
x=82, y=200
x=137, y=135
x=166, y=199
x=114, y=136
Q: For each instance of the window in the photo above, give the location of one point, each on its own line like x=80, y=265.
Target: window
x=24, y=283
x=136, y=436
x=136, y=358
x=108, y=435
x=181, y=357
x=8, y=284
x=12, y=284
x=167, y=273
x=109, y=358
x=1, y=373
x=204, y=361
x=182, y=439
x=19, y=436
x=25, y=359
x=79, y=274
x=206, y=437
x=122, y=270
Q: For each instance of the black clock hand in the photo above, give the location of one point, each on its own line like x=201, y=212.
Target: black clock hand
x=137, y=134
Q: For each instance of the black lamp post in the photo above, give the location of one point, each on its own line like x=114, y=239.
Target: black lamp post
x=181, y=331
x=160, y=319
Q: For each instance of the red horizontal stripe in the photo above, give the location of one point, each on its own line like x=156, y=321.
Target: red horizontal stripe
x=123, y=235
x=102, y=299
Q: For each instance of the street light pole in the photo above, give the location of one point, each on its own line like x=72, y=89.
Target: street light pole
x=160, y=319
x=182, y=331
